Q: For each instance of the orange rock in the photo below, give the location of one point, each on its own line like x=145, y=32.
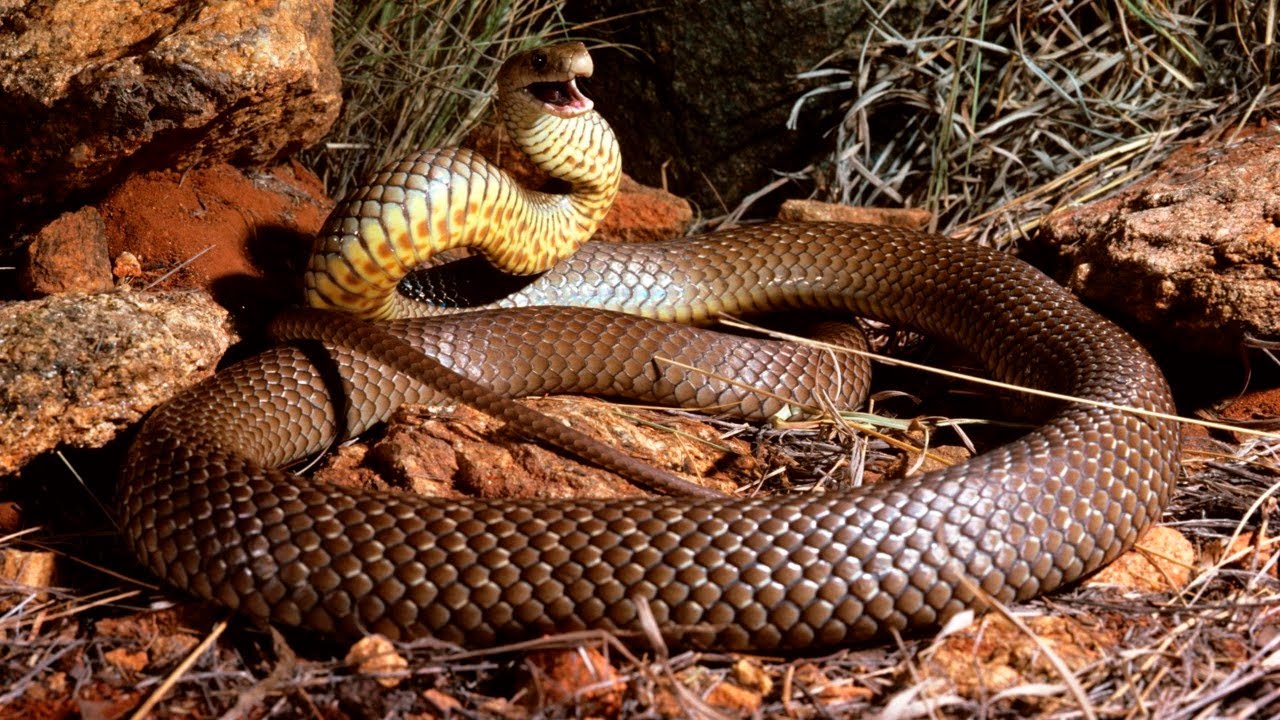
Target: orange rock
x=376, y=655
x=1190, y=252
x=750, y=674
x=817, y=211
x=645, y=214
x=27, y=568
x=580, y=677
x=995, y=655
x=1251, y=406
x=99, y=87
x=1161, y=562
x=11, y=517
x=465, y=452
x=735, y=699
x=444, y=702
x=126, y=266
x=809, y=679
x=68, y=255
x=128, y=661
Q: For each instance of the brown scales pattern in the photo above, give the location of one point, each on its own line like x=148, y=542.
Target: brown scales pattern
x=204, y=508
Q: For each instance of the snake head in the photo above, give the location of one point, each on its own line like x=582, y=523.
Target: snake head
x=547, y=77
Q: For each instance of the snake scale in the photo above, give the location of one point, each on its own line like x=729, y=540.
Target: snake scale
x=204, y=505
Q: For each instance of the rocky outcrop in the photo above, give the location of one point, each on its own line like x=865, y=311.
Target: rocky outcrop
x=92, y=89
x=1192, y=252
x=78, y=369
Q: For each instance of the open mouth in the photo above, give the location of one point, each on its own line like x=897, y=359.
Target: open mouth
x=561, y=97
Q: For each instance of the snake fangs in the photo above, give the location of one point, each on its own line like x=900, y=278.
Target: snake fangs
x=204, y=505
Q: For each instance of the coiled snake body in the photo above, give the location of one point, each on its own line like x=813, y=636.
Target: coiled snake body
x=203, y=506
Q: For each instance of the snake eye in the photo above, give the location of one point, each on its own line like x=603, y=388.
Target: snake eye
x=539, y=60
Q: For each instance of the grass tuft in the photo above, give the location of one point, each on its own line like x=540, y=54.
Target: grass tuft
x=991, y=114
x=418, y=75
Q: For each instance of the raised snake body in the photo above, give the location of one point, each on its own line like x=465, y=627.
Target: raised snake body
x=203, y=506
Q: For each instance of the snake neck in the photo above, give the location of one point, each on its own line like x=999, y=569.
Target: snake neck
x=443, y=199
x=583, y=152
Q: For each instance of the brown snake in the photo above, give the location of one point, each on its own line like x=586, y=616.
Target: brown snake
x=204, y=507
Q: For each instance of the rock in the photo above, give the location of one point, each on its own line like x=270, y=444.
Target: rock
x=699, y=92
x=644, y=214
x=579, y=678
x=92, y=89
x=994, y=655
x=243, y=236
x=376, y=655
x=468, y=453
x=818, y=211
x=68, y=255
x=11, y=517
x=127, y=266
x=1252, y=408
x=34, y=571
x=78, y=369
x=1162, y=562
x=739, y=701
x=1191, y=253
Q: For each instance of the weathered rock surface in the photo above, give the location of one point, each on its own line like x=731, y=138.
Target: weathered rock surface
x=68, y=255
x=78, y=369
x=644, y=214
x=91, y=89
x=1191, y=253
x=818, y=211
x=699, y=91
x=1162, y=562
x=469, y=453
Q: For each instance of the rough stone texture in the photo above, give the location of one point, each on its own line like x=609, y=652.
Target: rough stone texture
x=468, y=453
x=1162, y=562
x=818, y=211
x=994, y=655
x=68, y=255
x=639, y=214
x=29, y=569
x=699, y=91
x=90, y=89
x=78, y=369
x=243, y=236
x=1192, y=252
x=579, y=677
x=645, y=214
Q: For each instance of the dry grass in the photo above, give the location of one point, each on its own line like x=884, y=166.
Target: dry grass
x=991, y=114
x=418, y=75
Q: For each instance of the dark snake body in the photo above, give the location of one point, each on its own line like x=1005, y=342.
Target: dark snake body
x=203, y=507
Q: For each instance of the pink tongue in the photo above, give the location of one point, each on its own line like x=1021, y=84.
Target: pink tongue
x=563, y=96
x=579, y=100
